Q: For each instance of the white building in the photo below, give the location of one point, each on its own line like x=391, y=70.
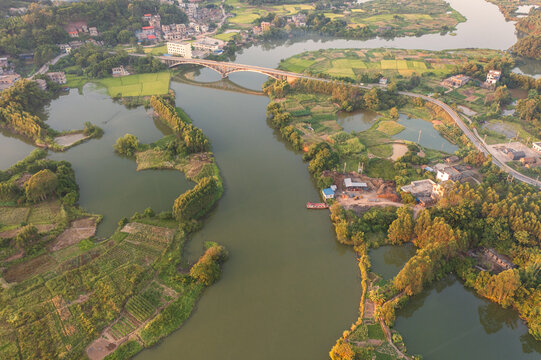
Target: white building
x=119, y=71
x=537, y=146
x=493, y=76
x=179, y=48
x=449, y=173
x=328, y=193
x=93, y=31
x=208, y=44
x=57, y=77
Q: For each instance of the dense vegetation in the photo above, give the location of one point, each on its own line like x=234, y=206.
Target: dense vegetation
x=95, y=62
x=47, y=178
x=42, y=27
x=18, y=107
x=196, y=202
x=127, y=145
x=529, y=45
x=192, y=138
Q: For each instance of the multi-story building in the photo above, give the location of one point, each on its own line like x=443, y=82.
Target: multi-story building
x=493, y=77
x=208, y=44
x=8, y=80
x=119, y=71
x=57, y=77
x=42, y=84
x=265, y=26
x=179, y=48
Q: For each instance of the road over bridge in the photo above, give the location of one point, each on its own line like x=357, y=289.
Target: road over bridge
x=226, y=68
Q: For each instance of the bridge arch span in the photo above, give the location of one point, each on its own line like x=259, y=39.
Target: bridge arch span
x=224, y=71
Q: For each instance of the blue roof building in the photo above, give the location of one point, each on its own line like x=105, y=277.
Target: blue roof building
x=328, y=193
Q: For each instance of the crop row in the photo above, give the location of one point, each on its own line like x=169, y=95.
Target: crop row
x=140, y=308
x=123, y=327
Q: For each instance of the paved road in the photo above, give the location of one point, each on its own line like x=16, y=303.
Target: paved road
x=42, y=70
x=476, y=139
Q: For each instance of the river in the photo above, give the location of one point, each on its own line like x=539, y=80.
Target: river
x=288, y=289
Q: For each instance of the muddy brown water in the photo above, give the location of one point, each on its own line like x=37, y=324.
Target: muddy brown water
x=288, y=289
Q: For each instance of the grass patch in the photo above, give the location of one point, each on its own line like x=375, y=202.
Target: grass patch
x=138, y=85
x=380, y=168
x=375, y=332
x=13, y=215
x=225, y=36
x=45, y=213
x=390, y=127
x=157, y=50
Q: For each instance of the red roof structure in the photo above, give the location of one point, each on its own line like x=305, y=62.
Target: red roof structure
x=148, y=28
x=151, y=37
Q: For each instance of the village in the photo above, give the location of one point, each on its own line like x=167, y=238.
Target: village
x=357, y=192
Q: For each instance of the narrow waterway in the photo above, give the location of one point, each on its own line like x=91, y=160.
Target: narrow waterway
x=288, y=288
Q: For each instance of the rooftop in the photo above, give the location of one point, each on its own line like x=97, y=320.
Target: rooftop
x=328, y=191
x=349, y=183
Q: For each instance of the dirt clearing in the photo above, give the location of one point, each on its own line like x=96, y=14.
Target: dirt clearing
x=70, y=139
x=79, y=230
x=399, y=150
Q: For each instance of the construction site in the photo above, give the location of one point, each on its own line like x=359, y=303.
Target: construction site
x=359, y=193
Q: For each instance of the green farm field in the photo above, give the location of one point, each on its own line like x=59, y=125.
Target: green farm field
x=245, y=14
x=391, y=63
x=138, y=85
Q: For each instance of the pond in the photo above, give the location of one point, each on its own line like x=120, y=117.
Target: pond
x=356, y=121
x=424, y=133
x=387, y=261
x=12, y=149
x=449, y=322
x=109, y=184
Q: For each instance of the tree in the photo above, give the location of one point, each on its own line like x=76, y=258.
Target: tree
x=401, y=230
x=422, y=223
x=501, y=287
x=196, y=202
x=41, y=185
x=394, y=113
x=26, y=235
x=127, y=145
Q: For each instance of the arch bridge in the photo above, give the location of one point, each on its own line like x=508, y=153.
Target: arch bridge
x=226, y=68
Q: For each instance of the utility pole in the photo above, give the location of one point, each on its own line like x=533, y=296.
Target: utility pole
x=345, y=167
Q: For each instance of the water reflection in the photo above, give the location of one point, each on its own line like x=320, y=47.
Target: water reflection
x=109, y=184
x=356, y=121
x=423, y=132
x=447, y=321
x=387, y=261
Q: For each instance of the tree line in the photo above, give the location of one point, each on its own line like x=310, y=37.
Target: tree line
x=197, y=202
x=193, y=139
x=96, y=62
x=18, y=107
x=529, y=45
